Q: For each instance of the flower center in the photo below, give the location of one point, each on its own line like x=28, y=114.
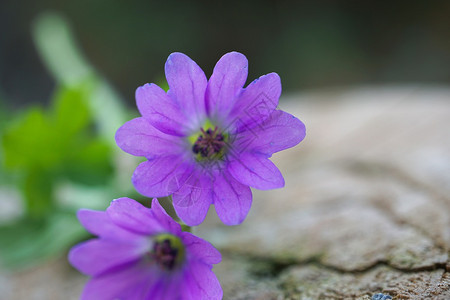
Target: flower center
x=210, y=144
x=168, y=251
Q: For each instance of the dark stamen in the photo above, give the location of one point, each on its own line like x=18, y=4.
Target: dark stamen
x=164, y=254
x=209, y=143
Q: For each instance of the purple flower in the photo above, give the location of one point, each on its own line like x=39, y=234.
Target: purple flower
x=142, y=253
x=208, y=142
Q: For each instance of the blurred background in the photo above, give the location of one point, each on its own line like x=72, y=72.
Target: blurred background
x=69, y=70
x=311, y=44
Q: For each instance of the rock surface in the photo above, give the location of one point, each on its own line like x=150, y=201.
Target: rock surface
x=366, y=208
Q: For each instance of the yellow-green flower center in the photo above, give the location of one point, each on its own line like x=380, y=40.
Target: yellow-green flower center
x=168, y=251
x=209, y=143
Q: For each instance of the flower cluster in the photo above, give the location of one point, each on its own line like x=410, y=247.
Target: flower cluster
x=206, y=142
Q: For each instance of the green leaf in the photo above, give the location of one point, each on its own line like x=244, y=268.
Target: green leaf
x=28, y=143
x=28, y=242
x=91, y=164
x=44, y=140
x=71, y=112
x=38, y=193
x=44, y=147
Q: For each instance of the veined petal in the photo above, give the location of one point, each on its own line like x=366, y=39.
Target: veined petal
x=161, y=176
x=232, y=199
x=187, y=83
x=97, y=256
x=256, y=170
x=256, y=102
x=201, y=249
x=192, y=200
x=133, y=216
x=164, y=219
x=166, y=287
x=200, y=283
x=129, y=283
x=227, y=80
x=139, y=138
x=278, y=132
x=161, y=110
x=100, y=224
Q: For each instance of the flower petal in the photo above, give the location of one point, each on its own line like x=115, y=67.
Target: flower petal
x=139, y=138
x=161, y=110
x=161, y=176
x=187, y=84
x=192, y=200
x=130, y=283
x=278, y=132
x=200, y=249
x=99, y=223
x=97, y=256
x=133, y=216
x=256, y=171
x=232, y=199
x=227, y=80
x=164, y=219
x=200, y=283
x=256, y=102
x=166, y=287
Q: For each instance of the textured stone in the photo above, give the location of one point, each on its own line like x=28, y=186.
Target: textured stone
x=316, y=282
x=243, y=278
x=53, y=280
x=369, y=185
x=365, y=210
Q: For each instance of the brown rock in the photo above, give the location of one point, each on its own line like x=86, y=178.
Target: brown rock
x=366, y=208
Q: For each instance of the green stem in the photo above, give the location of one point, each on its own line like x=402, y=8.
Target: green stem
x=167, y=203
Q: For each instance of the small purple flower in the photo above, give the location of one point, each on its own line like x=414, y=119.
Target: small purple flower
x=208, y=142
x=142, y=253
